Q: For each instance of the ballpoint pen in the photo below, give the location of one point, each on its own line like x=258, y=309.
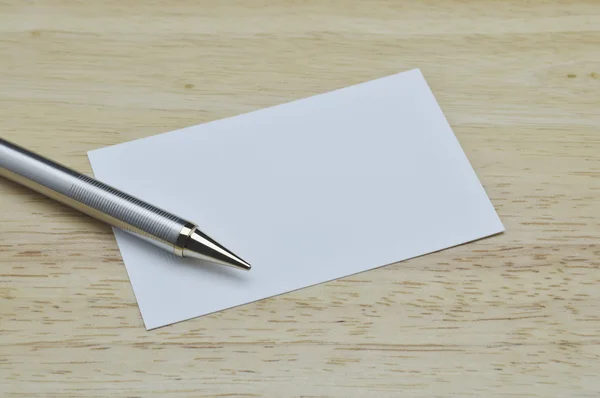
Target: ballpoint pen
x=114, y=207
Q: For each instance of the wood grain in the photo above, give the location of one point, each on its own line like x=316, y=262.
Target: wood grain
x=512, y=315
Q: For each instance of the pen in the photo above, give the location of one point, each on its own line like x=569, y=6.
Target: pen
x=112, y=206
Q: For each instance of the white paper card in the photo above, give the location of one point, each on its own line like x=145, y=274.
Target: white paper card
x=307, y=192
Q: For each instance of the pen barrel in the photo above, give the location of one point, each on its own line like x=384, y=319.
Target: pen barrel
x=94, y=198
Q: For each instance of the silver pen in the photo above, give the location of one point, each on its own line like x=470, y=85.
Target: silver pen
x=114, y=207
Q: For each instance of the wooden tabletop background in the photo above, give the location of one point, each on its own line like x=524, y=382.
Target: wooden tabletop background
x=513, y=315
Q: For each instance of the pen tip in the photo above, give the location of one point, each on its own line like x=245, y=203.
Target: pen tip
x=203, y=247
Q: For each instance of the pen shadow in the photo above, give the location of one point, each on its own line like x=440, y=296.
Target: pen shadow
x=191, y=266
x=194, y=267
x=214, y=270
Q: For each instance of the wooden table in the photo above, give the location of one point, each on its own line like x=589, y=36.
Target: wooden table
x=513, y=315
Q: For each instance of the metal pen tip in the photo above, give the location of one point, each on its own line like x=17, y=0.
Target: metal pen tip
x=203, y=247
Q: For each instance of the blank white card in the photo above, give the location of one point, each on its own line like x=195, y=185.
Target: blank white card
x=307, y=192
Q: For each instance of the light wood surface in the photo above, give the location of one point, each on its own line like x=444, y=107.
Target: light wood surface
x=513, y=315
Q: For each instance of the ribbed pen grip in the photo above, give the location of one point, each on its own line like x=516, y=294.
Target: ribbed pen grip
x=132, y=214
